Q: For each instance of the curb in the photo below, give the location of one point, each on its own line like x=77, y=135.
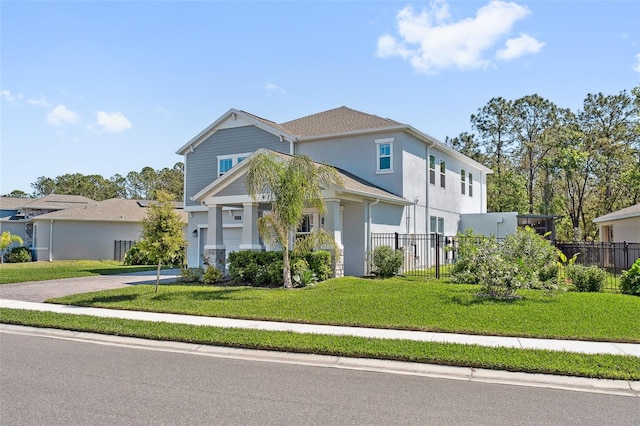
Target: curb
x=577, y=384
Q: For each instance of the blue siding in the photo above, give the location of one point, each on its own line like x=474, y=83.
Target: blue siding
x=201, y=165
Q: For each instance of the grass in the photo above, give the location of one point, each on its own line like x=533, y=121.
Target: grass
x=41, y=271
x=401, y=303
x=532, y=361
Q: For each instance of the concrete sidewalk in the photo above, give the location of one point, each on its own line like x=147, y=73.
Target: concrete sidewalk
x=495, y=341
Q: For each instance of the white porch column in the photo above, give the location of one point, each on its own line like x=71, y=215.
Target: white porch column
x=214, y=250
x=250, y=237
x=333, y=225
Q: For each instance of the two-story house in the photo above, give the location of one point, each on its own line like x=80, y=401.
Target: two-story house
x=396, y=179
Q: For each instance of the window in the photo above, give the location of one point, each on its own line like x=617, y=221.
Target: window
x=443, y=169
x=437, y=225
x=463, y=184
x=432, y=169
x=384, y=148
x=226, y=162
x=470, y=185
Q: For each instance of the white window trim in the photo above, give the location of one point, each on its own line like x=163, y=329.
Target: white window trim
x=234, y=160
x=379, y=142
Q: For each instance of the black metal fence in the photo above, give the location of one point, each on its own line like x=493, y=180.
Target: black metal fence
x=120, y=248
x=432, y=255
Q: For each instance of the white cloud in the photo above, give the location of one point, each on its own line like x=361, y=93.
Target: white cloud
x=430, y=40
x=6, y=94
x=113, y=122
x=61, y=115
x=274, y=88
x=636, y=67
x=516, y=47
x=41, y=101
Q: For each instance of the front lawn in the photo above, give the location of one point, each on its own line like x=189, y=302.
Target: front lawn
x=394, y=303
x=41, y=271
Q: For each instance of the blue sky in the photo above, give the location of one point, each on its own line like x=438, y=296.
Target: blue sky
x=111, y=87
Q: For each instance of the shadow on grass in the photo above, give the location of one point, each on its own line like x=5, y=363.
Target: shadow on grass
x=97, y=300
x=234, y=293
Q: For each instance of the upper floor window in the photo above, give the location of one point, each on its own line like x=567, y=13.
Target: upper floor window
x=432, y=169
x=463, y=183
x=443, y=170
x=226, y=162
x=470, y=185
x=384, y=149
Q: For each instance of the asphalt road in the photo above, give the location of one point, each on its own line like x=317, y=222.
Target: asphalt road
x=47, y=381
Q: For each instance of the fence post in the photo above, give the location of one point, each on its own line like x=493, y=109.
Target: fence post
x=625, y=249
x=437, y=237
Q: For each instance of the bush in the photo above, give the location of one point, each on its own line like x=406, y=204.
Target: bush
x=319, y=263
x=587, y=278
x=264, y=268
x=630, y=280
x=191, y=275
x=470, y=247
x=524, y=260
x=212, y=275
x=18, y=255
x=386, y=261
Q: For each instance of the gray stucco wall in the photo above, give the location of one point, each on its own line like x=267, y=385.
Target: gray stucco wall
x=81, y=240
x=354, y=238
x=201, y=165
x=498, y=224
x=358, y=155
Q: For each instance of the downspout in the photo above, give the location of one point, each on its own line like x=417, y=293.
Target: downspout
x=51, y=241
x=292, y=150
x=427, y=214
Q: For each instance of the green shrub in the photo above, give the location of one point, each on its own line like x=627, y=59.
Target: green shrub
x=319, y=263
x=18, y=255
x=630, y=279
x=264, y=268
x=469, y=249
x=191, y=275
x=387, y=261
x=524, y=260
x=212, y=275
x=534, y=257
x=586, y=278
x=136, y=255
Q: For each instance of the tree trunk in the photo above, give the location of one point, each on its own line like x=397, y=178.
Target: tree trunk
x=286, y=270
x=158, y=275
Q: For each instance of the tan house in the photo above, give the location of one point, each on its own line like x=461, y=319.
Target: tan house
x=621, y=225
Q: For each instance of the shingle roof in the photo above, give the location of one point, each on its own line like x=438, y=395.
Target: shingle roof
x=57, y=201
x=115, y=209
x=12, y=203
x=631, y=211
x=336, y=121
x=355, y=184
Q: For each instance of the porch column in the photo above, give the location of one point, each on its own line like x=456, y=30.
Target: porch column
x=333, y=225
x=250, y=238
x=214, y=250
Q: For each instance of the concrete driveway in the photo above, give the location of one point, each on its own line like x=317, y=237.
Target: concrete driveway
x=40, y=291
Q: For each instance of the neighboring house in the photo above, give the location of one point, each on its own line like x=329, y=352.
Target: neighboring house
x=16, y=212
x=90, y=231
x=397, y=179
x=621, y=225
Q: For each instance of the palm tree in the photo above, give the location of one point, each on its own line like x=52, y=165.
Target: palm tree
x=291, y=184
x=6, y=239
